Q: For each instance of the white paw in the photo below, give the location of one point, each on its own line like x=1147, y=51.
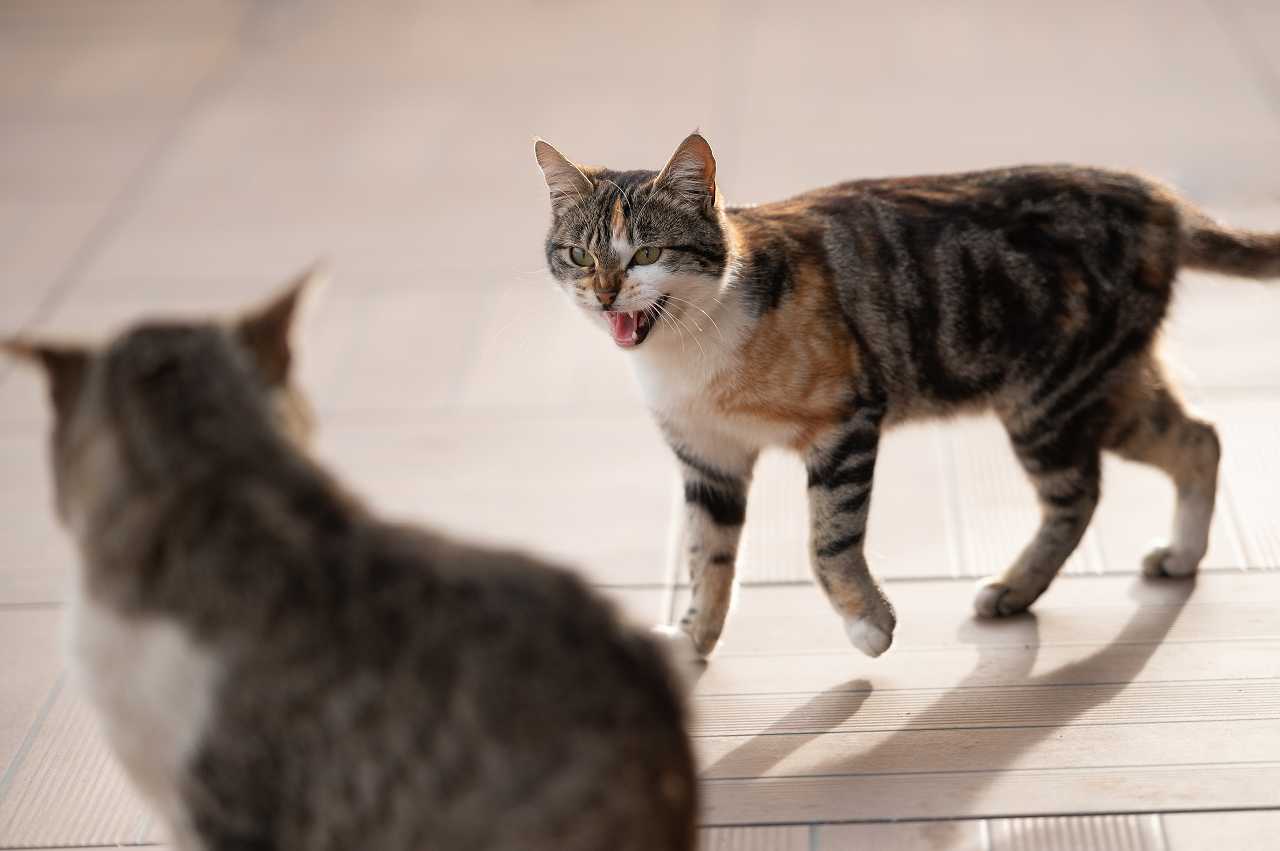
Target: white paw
x=867, y=637
x=996, y=599
x=681, y=653
x=1163, y=560
x=987, y=601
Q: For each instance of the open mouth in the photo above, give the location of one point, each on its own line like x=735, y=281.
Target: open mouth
x=630, y=328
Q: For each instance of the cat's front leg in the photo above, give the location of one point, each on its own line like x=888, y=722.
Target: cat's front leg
x=840, y=467
x=715, y=506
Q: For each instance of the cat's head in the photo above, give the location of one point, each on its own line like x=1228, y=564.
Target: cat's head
x=638, y=251
x=145, y=404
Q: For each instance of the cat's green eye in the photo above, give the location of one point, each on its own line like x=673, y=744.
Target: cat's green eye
x=645, y=256
x=580, y=257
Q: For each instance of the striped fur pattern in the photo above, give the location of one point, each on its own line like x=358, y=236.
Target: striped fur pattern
x=817, y=322
x=278, y=668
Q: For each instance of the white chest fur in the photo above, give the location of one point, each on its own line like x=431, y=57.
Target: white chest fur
x=679, y=384
x=153, y=690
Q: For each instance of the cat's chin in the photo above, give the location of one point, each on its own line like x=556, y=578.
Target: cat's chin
x=631, y=328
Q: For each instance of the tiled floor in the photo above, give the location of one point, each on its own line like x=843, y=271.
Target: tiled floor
x=185, y=157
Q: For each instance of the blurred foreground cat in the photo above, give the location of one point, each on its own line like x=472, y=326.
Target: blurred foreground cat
x=278, y=669
x=816, y=322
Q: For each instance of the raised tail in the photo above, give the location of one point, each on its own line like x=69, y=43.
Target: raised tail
x=1215, y=248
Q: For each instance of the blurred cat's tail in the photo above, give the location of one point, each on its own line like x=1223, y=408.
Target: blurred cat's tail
x=1216, y=248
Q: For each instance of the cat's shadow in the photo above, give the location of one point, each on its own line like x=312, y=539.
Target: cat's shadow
x=1064, y=694
x=819, y=715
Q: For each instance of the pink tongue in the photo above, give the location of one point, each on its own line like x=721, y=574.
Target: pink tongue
x=623, y=326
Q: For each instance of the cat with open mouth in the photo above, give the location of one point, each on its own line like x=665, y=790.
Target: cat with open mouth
x=816, y=322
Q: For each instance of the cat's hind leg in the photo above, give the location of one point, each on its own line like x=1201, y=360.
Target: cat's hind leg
x=1151, y=425
x=840, y=470
x=1064, y=466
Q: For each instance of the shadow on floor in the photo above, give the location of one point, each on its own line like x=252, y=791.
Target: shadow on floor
x=823, y=713
x=1080, y=686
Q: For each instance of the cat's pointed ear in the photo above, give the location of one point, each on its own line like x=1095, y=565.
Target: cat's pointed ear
x=65, y=365
x=568, y=183
x=691, y=172
x=267, y=331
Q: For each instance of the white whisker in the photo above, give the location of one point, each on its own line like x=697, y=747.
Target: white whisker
x=662, y=310
x=663, y=316
x=700, y=310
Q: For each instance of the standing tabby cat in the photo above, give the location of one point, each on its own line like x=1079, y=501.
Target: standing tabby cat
x=819, y=321
x=278, y=669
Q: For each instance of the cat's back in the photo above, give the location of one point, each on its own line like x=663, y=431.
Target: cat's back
x=957, y=284
x=996, y=198
x=489, y=700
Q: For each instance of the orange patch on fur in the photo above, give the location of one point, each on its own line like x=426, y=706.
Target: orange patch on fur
x=798, y=366
x=618, y=221
x=1076, y=315
x=1149, y=422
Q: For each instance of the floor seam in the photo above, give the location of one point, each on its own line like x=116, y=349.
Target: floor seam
x=989, y=817
x=119, y=208
x=961, y=772
x=33, y=732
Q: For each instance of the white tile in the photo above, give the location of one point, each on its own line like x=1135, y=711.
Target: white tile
x=911, y=836
x=1195, y=831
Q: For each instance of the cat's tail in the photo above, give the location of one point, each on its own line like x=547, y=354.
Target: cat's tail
x=1216, y=248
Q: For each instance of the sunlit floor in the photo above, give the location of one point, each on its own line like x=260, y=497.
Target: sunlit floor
x=161, y=157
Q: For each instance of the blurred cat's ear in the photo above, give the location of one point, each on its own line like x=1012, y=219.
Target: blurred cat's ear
x=691, y=172
x=65, y=366
x=267, y=332
x=567, y=182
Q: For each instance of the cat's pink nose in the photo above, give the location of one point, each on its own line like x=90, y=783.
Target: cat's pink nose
x=606, y=296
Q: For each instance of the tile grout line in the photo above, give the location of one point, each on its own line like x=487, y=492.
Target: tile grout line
x=1014, y=686
x=1010, y=770
x=28, y=740
x=119, y=208
x=33, y=606
x=975, y=727
x=1014, y=647
x=81, y=847
x=145, y=822
x=1033, y=815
